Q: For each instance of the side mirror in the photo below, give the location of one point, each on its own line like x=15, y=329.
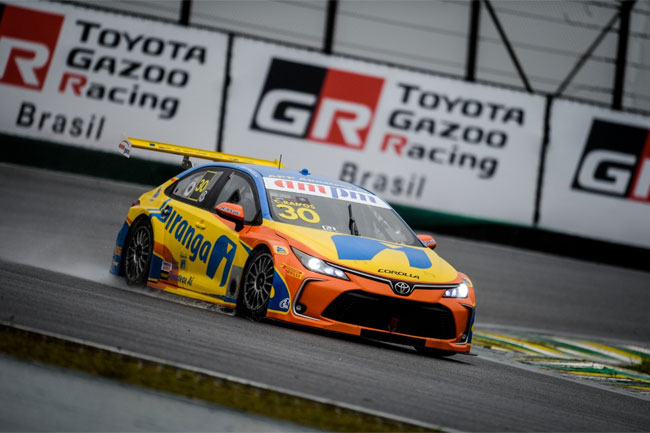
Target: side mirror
x=428, y=241
x=232, y=212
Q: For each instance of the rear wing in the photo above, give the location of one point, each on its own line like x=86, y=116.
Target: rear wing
x=128, y=143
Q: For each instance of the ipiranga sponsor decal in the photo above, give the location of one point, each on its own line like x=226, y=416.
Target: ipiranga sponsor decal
x=323, y=190
x=412, y=138
x=597, y=181
x=84, y=77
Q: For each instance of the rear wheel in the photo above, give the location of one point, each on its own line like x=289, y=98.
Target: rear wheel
x=139, y=249
x=256, y=285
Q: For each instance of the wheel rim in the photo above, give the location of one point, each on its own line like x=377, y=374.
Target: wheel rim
x=138, y=253
x=259, y=281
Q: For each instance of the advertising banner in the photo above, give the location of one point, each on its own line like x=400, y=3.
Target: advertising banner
x=85, y=77
x=597, y=178
x=415, y=139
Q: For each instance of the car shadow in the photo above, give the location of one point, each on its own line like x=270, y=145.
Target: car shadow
x=370, y=342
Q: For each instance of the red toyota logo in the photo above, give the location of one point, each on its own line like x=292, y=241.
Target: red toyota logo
x=27, y=41
x=320, y=104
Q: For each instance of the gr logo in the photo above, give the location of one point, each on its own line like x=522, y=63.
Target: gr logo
x=323, y=105
x=616, y=161
x=27, y=41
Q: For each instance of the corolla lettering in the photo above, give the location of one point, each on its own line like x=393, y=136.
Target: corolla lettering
x=399, y=273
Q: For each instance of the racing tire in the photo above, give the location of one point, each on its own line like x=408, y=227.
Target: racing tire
x=434, y=353
x=255, y=289
x=139, y=251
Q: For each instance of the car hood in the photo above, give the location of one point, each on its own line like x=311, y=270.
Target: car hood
x=386, y=259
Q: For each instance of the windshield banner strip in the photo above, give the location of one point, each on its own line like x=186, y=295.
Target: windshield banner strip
x=327, y=191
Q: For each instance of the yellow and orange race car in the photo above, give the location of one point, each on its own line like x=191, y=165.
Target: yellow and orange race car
x=289, y=245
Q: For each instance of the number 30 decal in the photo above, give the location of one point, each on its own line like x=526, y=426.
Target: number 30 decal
x=290, y=213
x=203, y=185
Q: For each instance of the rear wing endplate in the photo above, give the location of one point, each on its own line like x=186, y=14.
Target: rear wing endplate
x=128, y=143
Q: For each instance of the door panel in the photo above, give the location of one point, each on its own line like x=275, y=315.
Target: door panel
x=208, y=256
x=204, y=249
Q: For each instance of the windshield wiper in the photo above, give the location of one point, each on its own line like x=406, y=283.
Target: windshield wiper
x=352, y=224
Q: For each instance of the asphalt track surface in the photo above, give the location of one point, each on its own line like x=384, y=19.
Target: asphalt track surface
x=58, y=234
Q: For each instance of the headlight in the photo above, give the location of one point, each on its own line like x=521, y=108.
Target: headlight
x=460, y=291
x=317, y=265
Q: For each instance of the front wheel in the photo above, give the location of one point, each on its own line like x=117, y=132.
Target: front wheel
x=139, y=249
x=256, y=285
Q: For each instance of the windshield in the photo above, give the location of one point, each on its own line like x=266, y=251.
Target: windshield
x=337, y=215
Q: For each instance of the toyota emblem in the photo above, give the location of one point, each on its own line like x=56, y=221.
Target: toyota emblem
x=402, y=288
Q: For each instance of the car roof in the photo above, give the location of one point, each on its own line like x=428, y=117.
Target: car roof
x=259, y=172
x=262, y=171
x=306, y=176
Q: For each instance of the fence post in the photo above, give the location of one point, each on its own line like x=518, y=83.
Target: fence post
x=621, y=54
x=472, y=40
x=330, y=23
x=186, y=8
x=546, y=138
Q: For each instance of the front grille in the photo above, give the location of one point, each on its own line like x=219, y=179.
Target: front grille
x=389, y=314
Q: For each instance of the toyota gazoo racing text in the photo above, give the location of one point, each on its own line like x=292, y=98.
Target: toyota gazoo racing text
x=269, y=242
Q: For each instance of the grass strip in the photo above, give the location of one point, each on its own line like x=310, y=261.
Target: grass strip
x=167, y=378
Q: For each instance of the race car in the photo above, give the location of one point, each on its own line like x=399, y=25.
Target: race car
x=268, y=242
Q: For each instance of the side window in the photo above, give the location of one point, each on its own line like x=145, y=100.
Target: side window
x=195, y=187
x=239, y=191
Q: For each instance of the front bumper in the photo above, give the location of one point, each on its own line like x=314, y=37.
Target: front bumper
x=369, y=308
